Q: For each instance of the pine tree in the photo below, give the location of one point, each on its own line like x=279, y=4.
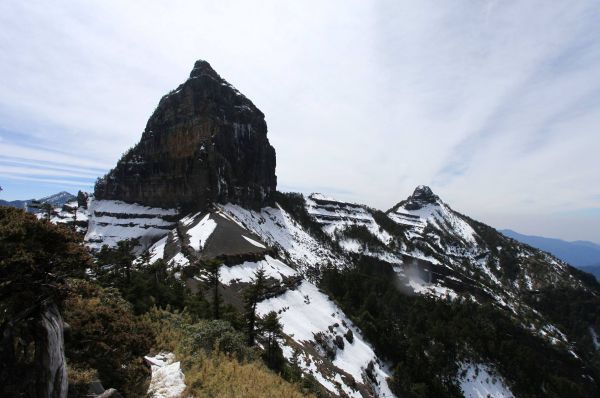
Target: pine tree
x=47, y=209
x=125, y=256
x=252, y=295
x=211, y=273
x=119, y=259
x=271, y=329
x=145, y=259
x=82, y=199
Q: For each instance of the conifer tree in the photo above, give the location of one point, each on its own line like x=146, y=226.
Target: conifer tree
x=271, y=330
x=125, y=256
x=210, y=271
x=252, y=295
x=82, y=199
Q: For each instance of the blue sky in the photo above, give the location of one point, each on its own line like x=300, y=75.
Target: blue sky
x=494, y=104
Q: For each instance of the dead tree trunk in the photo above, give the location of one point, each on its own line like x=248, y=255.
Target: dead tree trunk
x=50, y=362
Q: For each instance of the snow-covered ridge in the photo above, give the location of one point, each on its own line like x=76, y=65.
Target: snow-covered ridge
x=111, y=221
x=279, y=230
x=335, y=215
x=437, y=214
x=325, y=341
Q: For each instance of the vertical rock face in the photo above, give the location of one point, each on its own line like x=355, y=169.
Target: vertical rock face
x=205, y=142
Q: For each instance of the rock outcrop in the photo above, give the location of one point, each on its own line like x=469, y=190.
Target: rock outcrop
x=422, y=196
x=205, y=142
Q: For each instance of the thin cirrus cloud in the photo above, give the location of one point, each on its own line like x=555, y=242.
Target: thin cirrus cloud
x=493, y=104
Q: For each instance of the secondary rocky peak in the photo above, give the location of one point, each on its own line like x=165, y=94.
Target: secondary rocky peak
x=422, y=196
x=205, y=142
x=425, y=194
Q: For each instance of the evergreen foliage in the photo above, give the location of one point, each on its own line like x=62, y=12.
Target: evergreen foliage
x=36, y=257
x=363, y=235
x=144, y=285
x=82, y=198
x=252, y=296
x=106, y=335
x=577, y=313
x=425, y=338
x=210, y=271
x=272, y=330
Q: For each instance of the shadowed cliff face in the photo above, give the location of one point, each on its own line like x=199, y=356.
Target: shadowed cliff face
x=204, y=142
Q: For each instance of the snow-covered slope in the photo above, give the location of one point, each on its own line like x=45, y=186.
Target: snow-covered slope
x=423, y=209
x=434, y=250
x=462, y=248
x=320, y=337
x=348, y=224
x=438, y=252
x=335, y=215
x=279, y=230
x=112, y=220
x=480, y=381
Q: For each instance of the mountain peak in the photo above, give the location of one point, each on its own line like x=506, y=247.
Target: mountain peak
x=424, y=194
x=421, y=197
x=204, y=143
x=202, y=67
x=422, y=190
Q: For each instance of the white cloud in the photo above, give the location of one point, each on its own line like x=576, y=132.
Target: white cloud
x=494, y=104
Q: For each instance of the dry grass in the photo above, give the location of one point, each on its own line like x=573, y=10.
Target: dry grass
x=219, y=375
x=216, y=374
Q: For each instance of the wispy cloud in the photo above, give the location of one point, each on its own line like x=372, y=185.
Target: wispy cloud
x=495, y=104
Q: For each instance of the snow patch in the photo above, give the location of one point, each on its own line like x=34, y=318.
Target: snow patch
x=118, y=206
x=157, y=250
x=245, y=272
x=479, y=381
x=595, y=339
x=439, y=215
x=430, y=289
x=306, y=312
x=200, y=233
x=253, y=242
x=168, y=381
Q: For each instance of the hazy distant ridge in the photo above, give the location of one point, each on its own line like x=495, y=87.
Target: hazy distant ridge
x=579, y=253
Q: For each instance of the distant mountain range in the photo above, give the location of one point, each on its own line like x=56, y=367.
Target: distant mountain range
x=581, y=254
x=56, y=200
x=593, y=269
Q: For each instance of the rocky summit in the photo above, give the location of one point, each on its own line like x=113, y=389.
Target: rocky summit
x=422, y=196
x=204, y=143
